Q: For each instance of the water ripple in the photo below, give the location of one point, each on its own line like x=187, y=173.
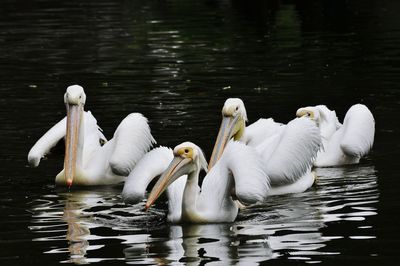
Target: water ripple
x=293, y=226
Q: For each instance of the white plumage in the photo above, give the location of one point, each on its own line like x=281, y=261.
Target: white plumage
x=237, y=175
x=152, y=165
x=287, y=151
x=87, y=161
x=342, y=144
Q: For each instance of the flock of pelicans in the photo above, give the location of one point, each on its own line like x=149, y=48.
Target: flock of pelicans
x=247, y=165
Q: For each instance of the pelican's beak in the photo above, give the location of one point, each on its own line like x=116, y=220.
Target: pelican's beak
x=178, y=167
x=229, y=128
x=74, y=116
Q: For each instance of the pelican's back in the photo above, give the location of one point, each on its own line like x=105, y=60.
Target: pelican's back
x=256, y=133
x=358, y=131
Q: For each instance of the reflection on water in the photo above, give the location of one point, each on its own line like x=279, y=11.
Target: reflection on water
x=292, y=226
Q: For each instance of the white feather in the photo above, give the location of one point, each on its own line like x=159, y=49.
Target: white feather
x=359, y=131
x=151, y=165
x=95, y=164
x=92, y=137
x=58, y=131
x=288, y=154
x=327, y=121
x=347, y=143
x=175, y=198
x=47, y=142
x=250, y=179
x=239, y=170
x=258, y=131
x=287, y=151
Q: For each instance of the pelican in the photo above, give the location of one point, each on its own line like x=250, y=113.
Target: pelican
x=150, y=167
x=287, y=151
x=238, y=175
x=89, y=158
x=342, y=144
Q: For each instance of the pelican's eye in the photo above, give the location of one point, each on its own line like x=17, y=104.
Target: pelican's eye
x=186, y=150
x=308, y=114
x=102, y=142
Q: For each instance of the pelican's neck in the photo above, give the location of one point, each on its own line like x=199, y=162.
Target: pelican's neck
x=328, y=123
x=190, y=196
x=240, y=134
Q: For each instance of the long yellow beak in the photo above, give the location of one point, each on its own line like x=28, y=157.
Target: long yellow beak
x=227, y=130
x=74, y=115
x=178, y=167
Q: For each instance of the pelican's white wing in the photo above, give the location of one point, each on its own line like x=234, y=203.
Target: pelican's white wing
x=250, y=182
x=57, y=132
x=46, y=142
x=290, y=153
x=132, y=140
x=151, y=165
x=257, y=132
x=358, y=131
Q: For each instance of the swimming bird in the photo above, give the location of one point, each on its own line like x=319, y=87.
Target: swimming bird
x=89, y=158
x=287, y=151
x=342, y=144
x=238, y=176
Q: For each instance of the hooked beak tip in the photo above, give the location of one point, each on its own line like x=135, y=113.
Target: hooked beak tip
x=147, y=206
x=69, y=183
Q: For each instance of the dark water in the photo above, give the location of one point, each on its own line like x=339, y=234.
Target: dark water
x=176, y=62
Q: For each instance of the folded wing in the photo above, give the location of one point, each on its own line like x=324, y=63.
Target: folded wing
x=132, y=140
x=290, y=153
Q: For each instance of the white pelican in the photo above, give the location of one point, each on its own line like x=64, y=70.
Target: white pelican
x=151, y=166
x=287, y=151
x=342, y=144
x=237, y=175
x=87, y=161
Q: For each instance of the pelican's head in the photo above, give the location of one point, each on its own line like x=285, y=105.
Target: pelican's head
x=310, y=112
x=319, y=113
x=74, y=99
x=75, y=95
x=188, y=159
x=234, y=119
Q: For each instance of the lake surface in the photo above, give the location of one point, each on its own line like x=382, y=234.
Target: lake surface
x=176, y=62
